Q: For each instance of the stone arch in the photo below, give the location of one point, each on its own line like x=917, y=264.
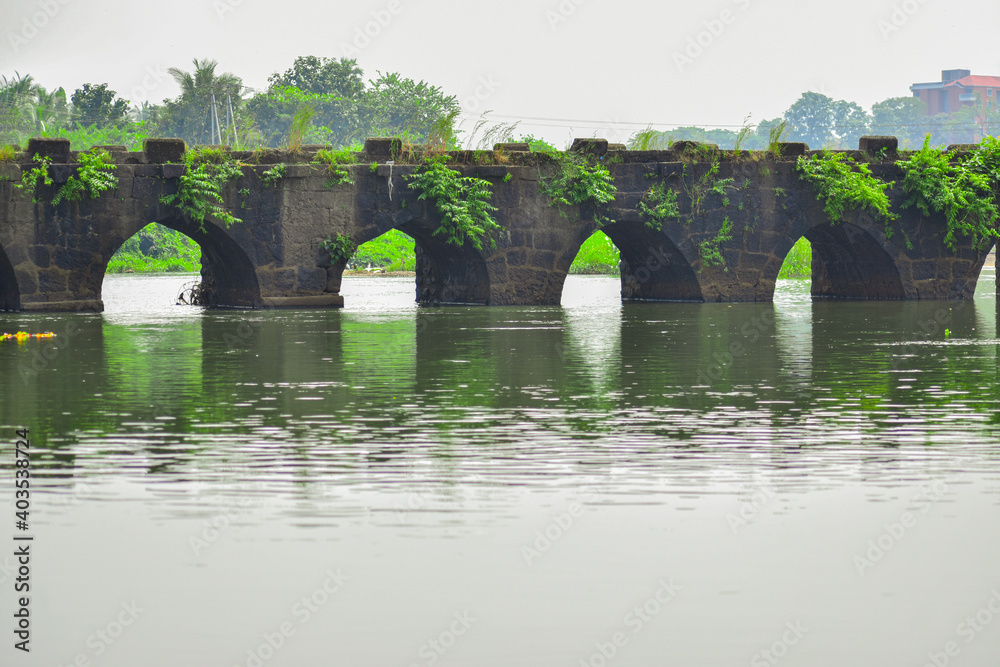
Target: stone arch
x=228, y=275
x=653, y=267
x=10, y=295
x=848, y=262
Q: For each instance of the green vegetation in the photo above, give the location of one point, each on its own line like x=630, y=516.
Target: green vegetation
x=844, y=185
x=579, y=179
x=662, y=204
x=96, y=175
x=708, y=183
x=335, y=161
x=157, y=249
x=462, y=201
x=393, y=251
x=30, y=177
x=340, y=247
x=270, y=176
x=8, y=153
x=598, y=255
x=199, y=189
x=798, y=261
x=963, y=190
x=709, y=250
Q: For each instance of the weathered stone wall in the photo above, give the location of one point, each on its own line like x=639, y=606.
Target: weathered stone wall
x=55, y=257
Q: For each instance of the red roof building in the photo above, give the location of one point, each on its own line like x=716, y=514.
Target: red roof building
x=958, y=88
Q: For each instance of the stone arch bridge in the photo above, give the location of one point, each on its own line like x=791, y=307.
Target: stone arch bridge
x=54, y=258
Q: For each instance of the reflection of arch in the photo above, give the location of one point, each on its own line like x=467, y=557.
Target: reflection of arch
x=10, y=297
x=228, y=275
x=652, y=266
x=849, y=263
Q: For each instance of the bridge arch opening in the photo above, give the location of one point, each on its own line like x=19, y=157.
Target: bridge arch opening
x=848, y=262
x=651, y=267
x=10, y=297
x=228, y=277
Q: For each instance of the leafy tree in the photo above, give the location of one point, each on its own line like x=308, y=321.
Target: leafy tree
x=96, y=105
x=396, y=105
x=811, y=119
x=851, y=122
x=188, y=115
x=902, y=117
x=322, y=76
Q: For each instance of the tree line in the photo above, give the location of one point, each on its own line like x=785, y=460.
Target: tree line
x=823, y=122
x=329, y=101
x=316, y=100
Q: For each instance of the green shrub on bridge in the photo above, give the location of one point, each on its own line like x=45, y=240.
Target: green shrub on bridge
x=578, y=180
x=462, y=201
x=963, y=190
x=199, y=189
x=96, y=175
x=844, y=185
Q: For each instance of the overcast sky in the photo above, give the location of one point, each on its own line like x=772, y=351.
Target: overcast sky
x=565, y=68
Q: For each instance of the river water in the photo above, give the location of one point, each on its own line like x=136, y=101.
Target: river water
x=592, y=484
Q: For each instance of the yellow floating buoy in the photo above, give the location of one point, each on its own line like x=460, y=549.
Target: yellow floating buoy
x=21, y=336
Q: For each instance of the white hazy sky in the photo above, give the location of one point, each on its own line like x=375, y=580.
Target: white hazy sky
x=564, y=67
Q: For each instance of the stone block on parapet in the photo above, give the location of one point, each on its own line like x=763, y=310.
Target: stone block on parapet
x=792, y=148
x=596, y=147
x=164, y=151
x=383, y=148
x=873, y=145
x=513, y=147
x=56, y=150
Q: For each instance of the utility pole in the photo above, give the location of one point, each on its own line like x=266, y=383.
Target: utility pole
x=231, y=120
x=214, y=120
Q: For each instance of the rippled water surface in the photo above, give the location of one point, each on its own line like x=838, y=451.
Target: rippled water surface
x=597, y=483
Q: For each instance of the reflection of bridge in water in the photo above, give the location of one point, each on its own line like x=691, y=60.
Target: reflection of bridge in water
x=55, y=257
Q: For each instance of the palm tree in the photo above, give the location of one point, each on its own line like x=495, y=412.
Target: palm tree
x=188, y=115
x=17, y=106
